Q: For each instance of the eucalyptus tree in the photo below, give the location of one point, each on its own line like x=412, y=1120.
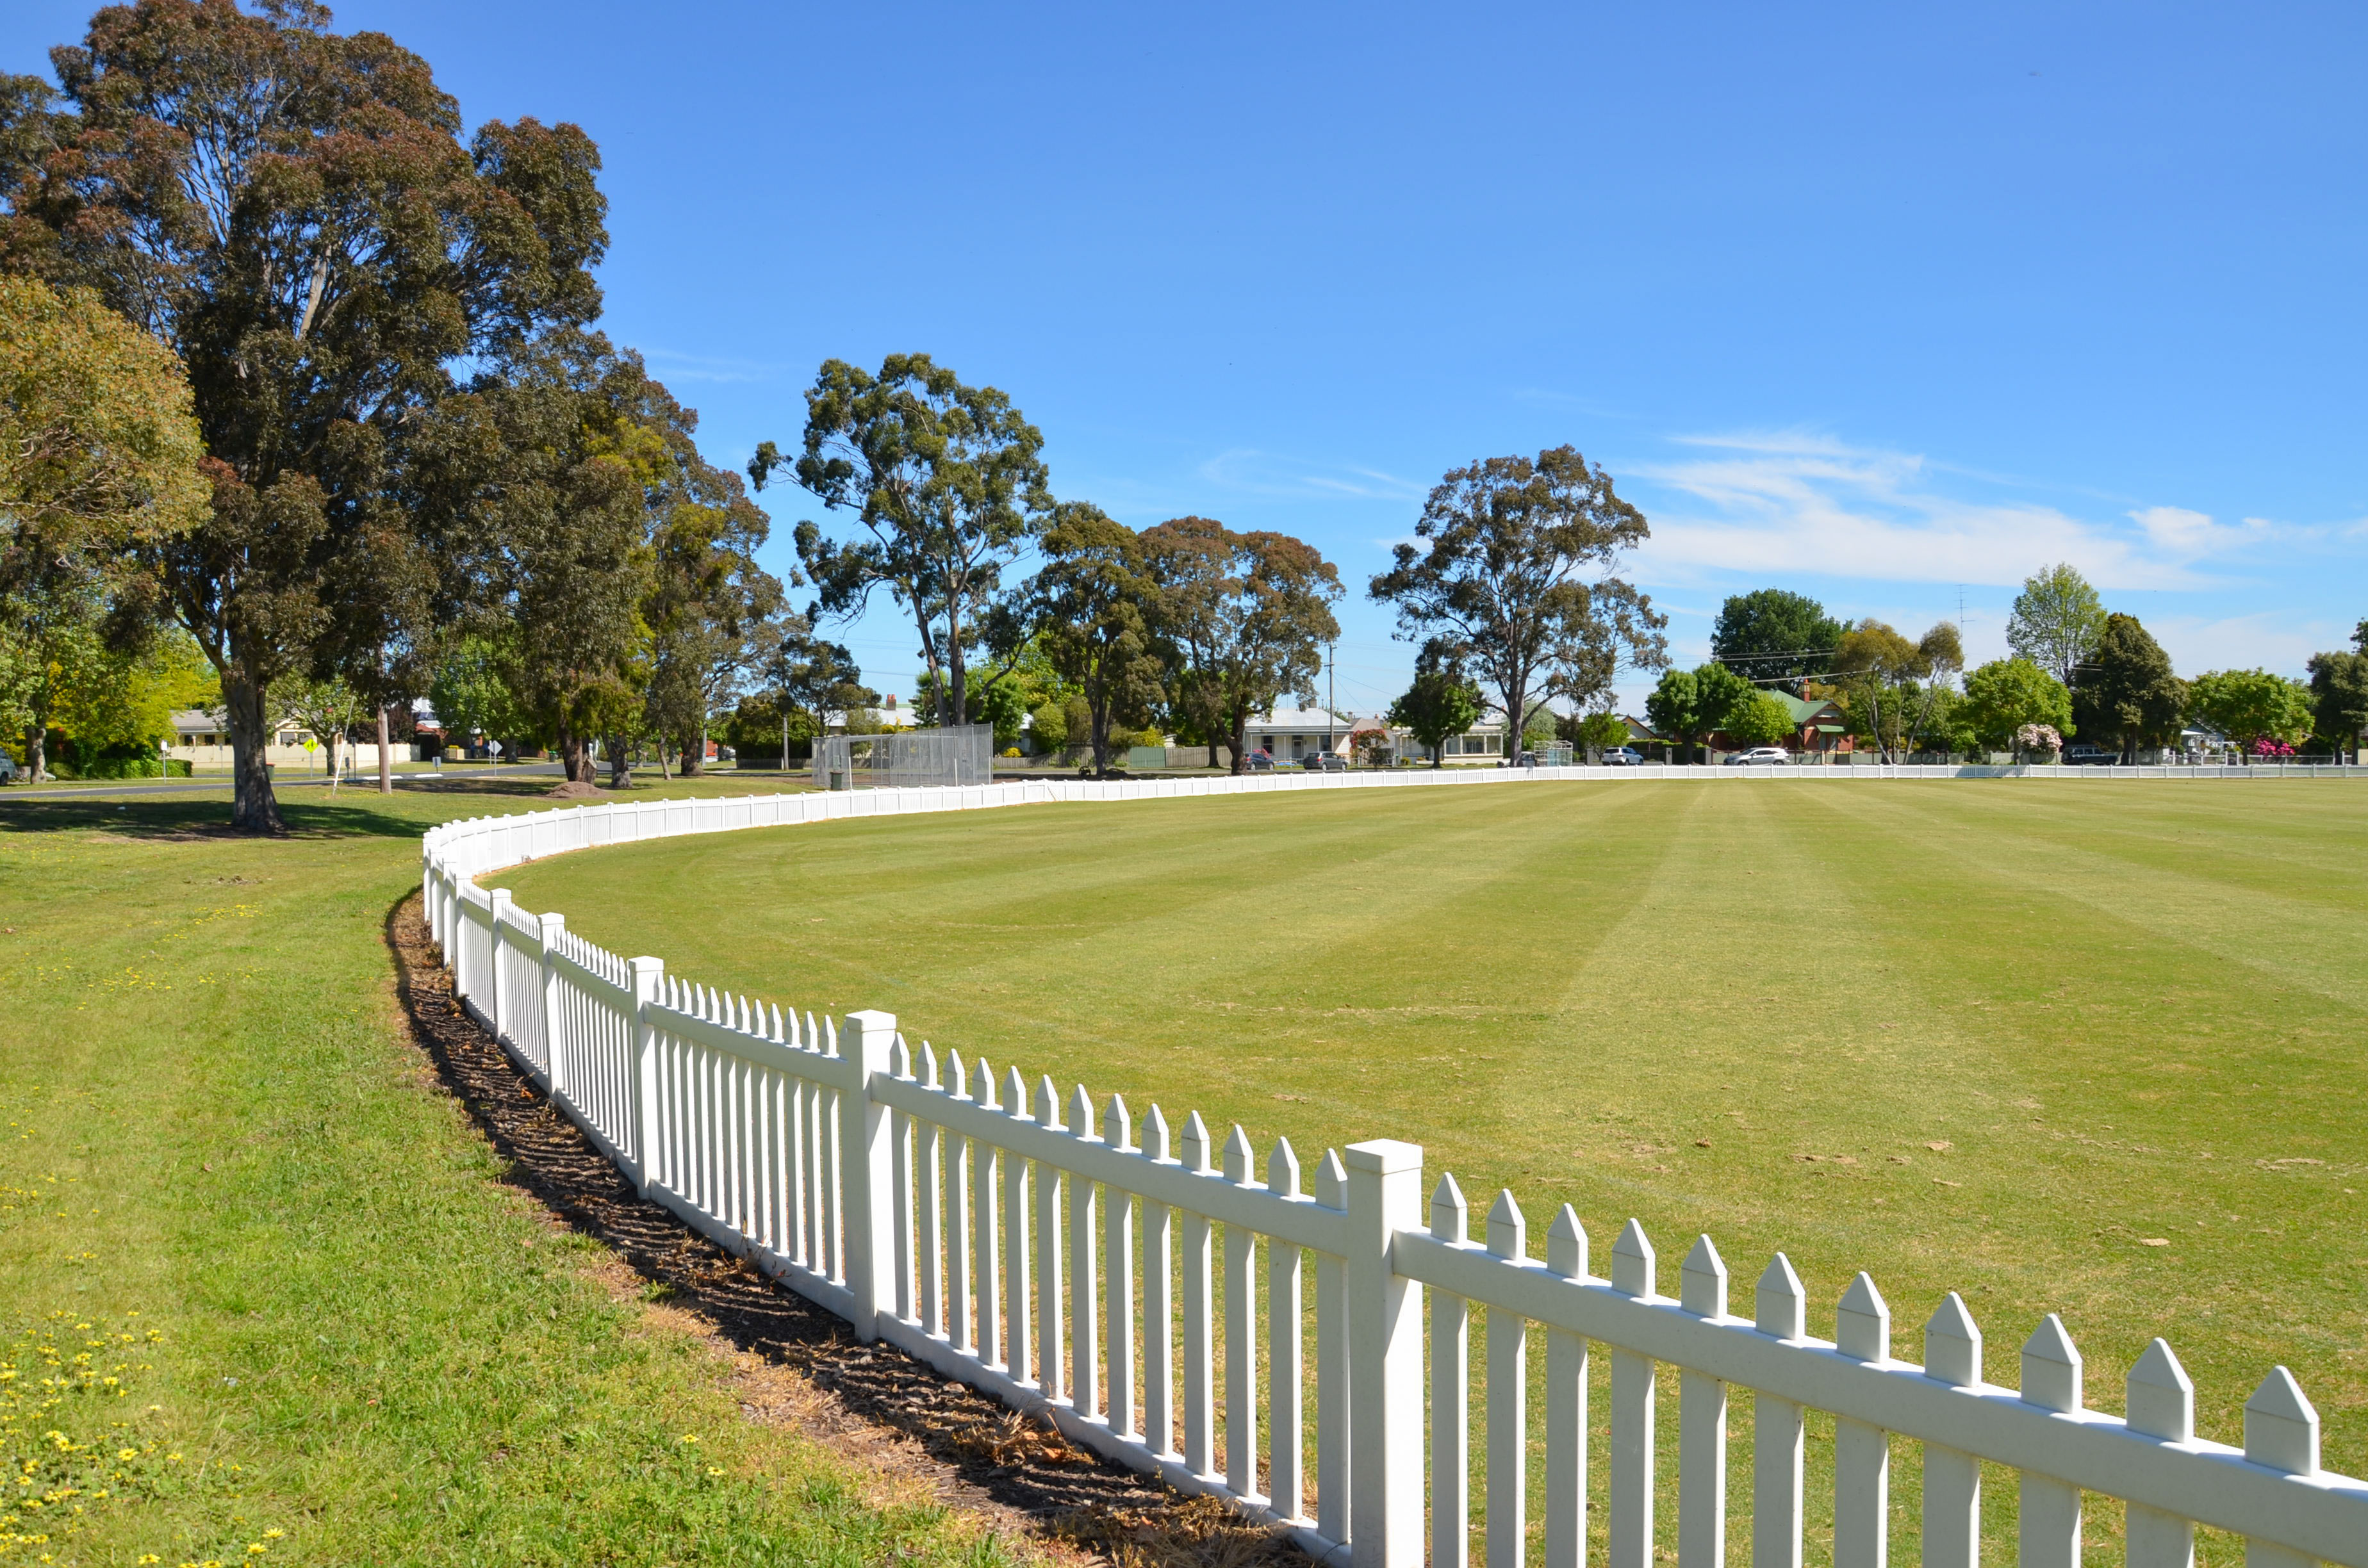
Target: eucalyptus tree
x=1088, y=606
x=1238, y=619
x=948, y=486
x=1515, y=578
x=293, y=212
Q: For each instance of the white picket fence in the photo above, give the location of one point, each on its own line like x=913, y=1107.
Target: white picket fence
x=1064, y=1256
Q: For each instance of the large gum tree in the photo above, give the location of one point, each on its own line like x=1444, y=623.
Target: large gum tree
x=1514, y=579
x=295, y=213
x=948, y=485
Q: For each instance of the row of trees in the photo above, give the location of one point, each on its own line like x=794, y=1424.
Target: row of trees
x=1189, y=621
x=2076, y=668
x=339, y=418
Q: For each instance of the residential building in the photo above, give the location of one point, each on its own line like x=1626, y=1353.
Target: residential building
x=201, y=739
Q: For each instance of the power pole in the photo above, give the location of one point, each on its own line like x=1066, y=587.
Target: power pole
x=1330, y=692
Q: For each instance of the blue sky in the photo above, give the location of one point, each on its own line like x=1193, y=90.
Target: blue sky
x=1886, y=304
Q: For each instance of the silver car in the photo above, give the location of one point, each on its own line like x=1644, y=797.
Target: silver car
x=1761, y=757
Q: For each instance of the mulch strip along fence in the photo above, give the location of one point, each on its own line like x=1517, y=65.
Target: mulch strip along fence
x=990, y=1461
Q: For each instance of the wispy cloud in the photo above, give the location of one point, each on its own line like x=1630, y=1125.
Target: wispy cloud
x=1792, y=501
x=1246, y=470
x=671, y=368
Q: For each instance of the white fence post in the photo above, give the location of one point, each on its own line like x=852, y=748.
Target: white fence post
x=868, y=1172
x=1385, y=1490
x=647, y=974
x=499, y=1011
x=554, y=928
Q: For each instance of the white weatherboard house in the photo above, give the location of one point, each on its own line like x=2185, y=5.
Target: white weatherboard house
x=1290, y=733
x=202, y=739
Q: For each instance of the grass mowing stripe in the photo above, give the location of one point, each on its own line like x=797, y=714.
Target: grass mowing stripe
x=1566, y=989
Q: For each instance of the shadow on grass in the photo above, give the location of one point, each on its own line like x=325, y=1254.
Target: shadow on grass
x=986, y=1454
x=170, y=819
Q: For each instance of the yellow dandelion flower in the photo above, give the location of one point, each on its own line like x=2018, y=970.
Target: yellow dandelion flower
x=715, y=1469
x=127, y=1453
x=687, y=1438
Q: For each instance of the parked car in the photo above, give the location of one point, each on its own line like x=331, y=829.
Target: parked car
x=1257, y=762
x=1323, y=761
x=1623, y=757
x=1761, y=757
x=2091, y=756
x=7, y=768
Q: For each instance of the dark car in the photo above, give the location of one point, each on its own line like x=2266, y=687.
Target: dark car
x=1257, y=762
x=1323, y=761
x=2092, y=757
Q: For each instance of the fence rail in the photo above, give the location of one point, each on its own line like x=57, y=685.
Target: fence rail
x=1148, y=1287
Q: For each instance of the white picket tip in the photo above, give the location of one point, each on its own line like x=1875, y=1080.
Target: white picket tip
x=1450, y=1218
x=1118, y=1128
x=1701, y=1285
x=1862, y=1326
x=1781, y=1306
x=1509, y=1233
x=2281, y=1427
x=1282, y=1170
x=2161, y=1397
x=1566, y=1244
x=1952, y=1345
x=1632, y=1262
x=2050, y=1367
x=1238, y=1157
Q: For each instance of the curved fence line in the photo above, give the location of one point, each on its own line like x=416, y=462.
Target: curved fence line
x=1148, y=1287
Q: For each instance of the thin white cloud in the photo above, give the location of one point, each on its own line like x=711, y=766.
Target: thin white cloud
x=1793, y=501
x=1246, y=470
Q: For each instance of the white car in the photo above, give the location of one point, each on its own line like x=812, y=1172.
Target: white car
x=1623, y=757
x=1761, y=757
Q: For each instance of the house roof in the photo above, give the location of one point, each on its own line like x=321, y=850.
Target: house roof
x=1807, y=709
x=1300, y=718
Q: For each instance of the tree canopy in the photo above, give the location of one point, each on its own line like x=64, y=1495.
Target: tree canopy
x=1238, y=619
x=2057, y=622
x=1089, y=602
x=2007, y=695
x=2338, y=692
x=98, y=450
x=294, y=214
x=2126, y=692
x=2251, y=707
x=1496, y=584
x=948, y=486
x=1773, y=636
x=1440, y=702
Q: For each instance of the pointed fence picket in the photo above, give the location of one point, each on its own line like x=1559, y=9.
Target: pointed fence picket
x=1056, y=1254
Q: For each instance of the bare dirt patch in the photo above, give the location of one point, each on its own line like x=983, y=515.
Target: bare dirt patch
x=910, y=1431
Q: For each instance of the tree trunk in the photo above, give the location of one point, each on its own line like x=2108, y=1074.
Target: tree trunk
x=1241, y=740
x=664, y=777
x=253, y=807
x=620, y=764
x=694, y=758
x=37, y=752
x=385, y=756
x=574, y=756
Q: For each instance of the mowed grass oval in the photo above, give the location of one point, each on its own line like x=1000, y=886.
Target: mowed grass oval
x=2081, y=1048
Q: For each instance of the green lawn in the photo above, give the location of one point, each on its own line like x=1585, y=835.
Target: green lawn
x=319, y=1325
x=1995, y=1036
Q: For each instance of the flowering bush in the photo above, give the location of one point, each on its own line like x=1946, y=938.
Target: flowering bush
x=2039, y=737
